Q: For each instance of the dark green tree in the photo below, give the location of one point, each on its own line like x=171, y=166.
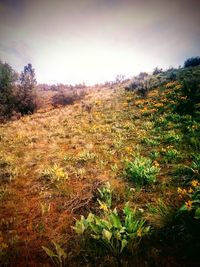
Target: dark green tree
x=26, y=95
x=8, y=78
x=192, y=62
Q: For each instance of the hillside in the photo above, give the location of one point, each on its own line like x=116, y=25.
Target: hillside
x=53, y=163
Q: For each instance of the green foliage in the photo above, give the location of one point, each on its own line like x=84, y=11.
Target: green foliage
x=7, y=79
x=112, y=231
x=171, y=155
x=26, y=99
x=161, y=214
x=106, y=194
x=59, y=257
x=141, y=171
x=150, y=141
x=157, y=71
x=189, y=95
x=16, y=98
x=192, y=203
x=54, y=174
x=154, y=155
x=192, y=62
x=85, y=156
x=172, y=137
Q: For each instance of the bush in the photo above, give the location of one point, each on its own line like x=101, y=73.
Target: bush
x=138, y=85
x=189, y=101
x=114, y=233
x=63, y=97
x=157, y=71
x=141, y=171
x=25, y=97
x=16, y=98
x=192, y=62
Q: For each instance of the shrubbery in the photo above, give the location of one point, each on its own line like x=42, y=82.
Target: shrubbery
x=141, y=171
x=67, y=97
x=16, y=95
x=192, y=62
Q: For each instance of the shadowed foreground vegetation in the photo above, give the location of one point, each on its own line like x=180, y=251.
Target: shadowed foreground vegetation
x=111, y=182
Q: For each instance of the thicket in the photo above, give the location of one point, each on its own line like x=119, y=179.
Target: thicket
x=67, y=97
x=17, y=95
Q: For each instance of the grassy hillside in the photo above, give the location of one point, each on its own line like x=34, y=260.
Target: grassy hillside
x=55, y=166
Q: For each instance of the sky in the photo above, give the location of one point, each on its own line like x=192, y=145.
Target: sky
x=93, y=41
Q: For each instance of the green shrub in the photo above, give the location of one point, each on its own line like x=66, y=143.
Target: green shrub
x=171, y=155
x=172, y=137
x=192, y=62
x=141, y=171
x=189, y=100
x=113, y=231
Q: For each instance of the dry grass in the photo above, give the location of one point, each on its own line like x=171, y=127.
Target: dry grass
x=90, y=148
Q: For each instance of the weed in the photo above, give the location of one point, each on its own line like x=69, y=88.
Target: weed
x=7, y=171
x=154, y=155
x=4, y=191
x=106, y=194
x=114, y=233
x=161, y=214
x=149, y=141
x=141, y=171
x=59, y=257
x=54, y=174
x=45, y=208
x=86, y=156
x=172, y=137
x=170, y=155
x=191, y=197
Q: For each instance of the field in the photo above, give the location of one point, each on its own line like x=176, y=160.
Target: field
x=58, y=165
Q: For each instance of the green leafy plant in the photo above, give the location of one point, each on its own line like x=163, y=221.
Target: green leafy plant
x=86, y=156
x=161, y=214
x=58, y=255
x=112, y=231
x=106, y=194
x=141, y=171
x=54, y=174
x=172, y=137
x=192, y=199
x=154, y=155
x=151, y=142
x=171, y=155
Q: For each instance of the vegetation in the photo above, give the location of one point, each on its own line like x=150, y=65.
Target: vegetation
x=192, y=62
x=113, y=181
x=141, y=171
x=16, y=96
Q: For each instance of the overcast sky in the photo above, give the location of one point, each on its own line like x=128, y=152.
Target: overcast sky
x=94, y=40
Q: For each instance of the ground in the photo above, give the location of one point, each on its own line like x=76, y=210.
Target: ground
x=55, y=161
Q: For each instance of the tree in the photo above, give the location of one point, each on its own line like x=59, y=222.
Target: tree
x=26, y=95
x=142, y=75
x=8, y=78
x=192, y=62
x=157, y=71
